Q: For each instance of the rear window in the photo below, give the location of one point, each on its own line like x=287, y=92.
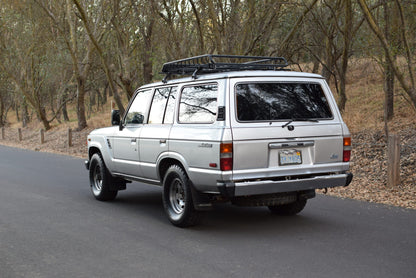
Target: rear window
x=281, y=101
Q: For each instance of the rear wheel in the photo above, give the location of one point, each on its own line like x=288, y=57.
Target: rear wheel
x=101, y=180
x=177, y=198
x=288, y=209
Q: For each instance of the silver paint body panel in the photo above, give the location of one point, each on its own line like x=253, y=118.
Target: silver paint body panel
x=137, y=151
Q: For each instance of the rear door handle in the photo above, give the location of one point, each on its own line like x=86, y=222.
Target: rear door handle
x=162, y=141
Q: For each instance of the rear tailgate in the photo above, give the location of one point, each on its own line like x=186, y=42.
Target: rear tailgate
x=270, y=151
x=278, y=147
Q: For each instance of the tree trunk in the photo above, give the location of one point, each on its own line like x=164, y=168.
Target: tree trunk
x=65, y=113
x=388, y=93
x=16, y=108
x=25, y=114
x=327, y=68
x=104, y=98
x=342, y=101
x=388, y=70
x=43, y=119
x=345, y=53
x=107, y=88
x=315, y=66
x=127, y=87
x=147, y=55
x=82, y=121
x=1, y=111
x=198, y=24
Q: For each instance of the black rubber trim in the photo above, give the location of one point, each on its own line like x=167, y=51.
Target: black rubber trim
x=227, y=190
x=349, y=179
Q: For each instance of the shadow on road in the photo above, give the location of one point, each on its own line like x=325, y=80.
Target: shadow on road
x=225, y=218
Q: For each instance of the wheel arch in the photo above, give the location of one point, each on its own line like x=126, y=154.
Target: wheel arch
x=92, y=151
x=164, y=165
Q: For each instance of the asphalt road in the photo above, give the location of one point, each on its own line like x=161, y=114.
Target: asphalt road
x=51, y=226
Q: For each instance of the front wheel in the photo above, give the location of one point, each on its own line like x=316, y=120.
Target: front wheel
x=101, y=180
x=288, y=209
x=177, y=198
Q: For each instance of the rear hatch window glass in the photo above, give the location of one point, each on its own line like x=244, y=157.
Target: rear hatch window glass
x=281, y=101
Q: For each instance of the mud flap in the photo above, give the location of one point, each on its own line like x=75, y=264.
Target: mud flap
x=201, y=201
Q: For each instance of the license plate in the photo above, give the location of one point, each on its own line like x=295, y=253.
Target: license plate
x=290, y=157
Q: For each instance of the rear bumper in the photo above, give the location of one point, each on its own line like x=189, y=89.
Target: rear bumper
x=233, y=189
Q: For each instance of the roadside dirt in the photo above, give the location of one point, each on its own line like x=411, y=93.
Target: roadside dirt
x=369, y=163
x=369, y=166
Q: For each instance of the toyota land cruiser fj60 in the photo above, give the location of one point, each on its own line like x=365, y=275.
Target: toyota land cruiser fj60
x=237, y=129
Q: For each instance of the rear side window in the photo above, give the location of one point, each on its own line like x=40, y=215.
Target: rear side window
x=162, y=108
x=281, y=101
x=198, y=104
x=170, y=106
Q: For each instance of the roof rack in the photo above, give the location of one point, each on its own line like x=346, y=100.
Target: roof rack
x=210, y=63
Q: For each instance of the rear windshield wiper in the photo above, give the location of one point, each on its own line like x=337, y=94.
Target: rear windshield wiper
x=299, y=120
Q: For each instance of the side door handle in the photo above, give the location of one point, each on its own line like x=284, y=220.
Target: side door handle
x=162, y=141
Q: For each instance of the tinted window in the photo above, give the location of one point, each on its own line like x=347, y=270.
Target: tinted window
x=138, y=109
x=281, y=101
x=198, y=104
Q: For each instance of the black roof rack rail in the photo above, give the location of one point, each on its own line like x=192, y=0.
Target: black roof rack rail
x=210, y=63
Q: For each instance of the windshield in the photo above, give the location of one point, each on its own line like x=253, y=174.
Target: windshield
x=281, y=101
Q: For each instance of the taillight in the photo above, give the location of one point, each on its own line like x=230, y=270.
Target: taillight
x=346, y=156
x=226, y=156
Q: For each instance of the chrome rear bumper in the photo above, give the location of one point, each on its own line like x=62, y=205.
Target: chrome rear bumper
x=232, y=189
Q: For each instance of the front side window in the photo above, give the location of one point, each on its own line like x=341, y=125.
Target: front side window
x=198, y=104
x=138, y=109
x=281, y=101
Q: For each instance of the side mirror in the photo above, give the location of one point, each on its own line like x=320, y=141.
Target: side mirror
x=115, y=117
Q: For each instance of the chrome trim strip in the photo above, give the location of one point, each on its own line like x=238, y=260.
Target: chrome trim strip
x=285, y=145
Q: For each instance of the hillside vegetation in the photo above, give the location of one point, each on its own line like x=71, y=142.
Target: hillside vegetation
x=363, y=115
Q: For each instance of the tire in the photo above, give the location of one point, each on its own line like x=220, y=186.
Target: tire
x=288, y=209
x=177, y=198
x=101, y=180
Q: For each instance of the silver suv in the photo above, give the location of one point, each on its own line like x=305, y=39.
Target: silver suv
x=237, y=129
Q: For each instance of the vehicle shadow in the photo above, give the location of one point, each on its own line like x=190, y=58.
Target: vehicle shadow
x=225, y=218
x=143, y=198
x=259, y=220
